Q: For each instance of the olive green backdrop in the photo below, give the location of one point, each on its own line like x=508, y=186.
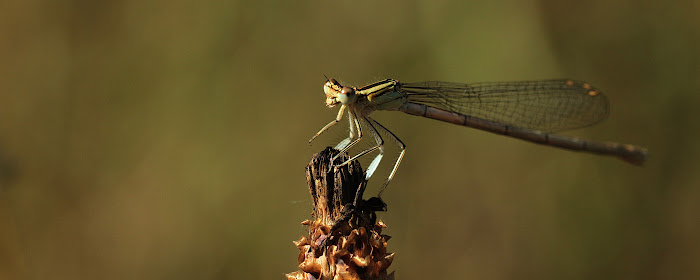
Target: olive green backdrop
x=167, y=140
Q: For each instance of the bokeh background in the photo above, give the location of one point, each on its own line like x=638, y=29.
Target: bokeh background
x=167, y=139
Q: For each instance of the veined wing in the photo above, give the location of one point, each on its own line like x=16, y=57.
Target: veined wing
x=549, y=105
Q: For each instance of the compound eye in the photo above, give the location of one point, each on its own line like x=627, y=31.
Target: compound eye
x=348, y=91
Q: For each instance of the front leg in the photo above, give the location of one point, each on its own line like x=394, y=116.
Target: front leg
x=346, y=144
x=332, y=123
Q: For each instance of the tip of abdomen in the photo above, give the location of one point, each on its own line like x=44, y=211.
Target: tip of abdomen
x=634, y=155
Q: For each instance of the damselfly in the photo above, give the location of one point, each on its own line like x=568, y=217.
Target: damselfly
x=527, y=110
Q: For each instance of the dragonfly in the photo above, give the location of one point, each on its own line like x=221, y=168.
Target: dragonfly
x=528, y=110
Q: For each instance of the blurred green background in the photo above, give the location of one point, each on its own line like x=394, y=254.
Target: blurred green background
x=167, y=139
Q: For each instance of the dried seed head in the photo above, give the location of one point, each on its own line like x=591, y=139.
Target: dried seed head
x=343, y=243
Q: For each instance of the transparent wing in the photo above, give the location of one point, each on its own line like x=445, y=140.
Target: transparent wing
x=550, y=105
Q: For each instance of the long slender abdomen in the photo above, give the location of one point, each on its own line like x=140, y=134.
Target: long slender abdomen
x=629, y=153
